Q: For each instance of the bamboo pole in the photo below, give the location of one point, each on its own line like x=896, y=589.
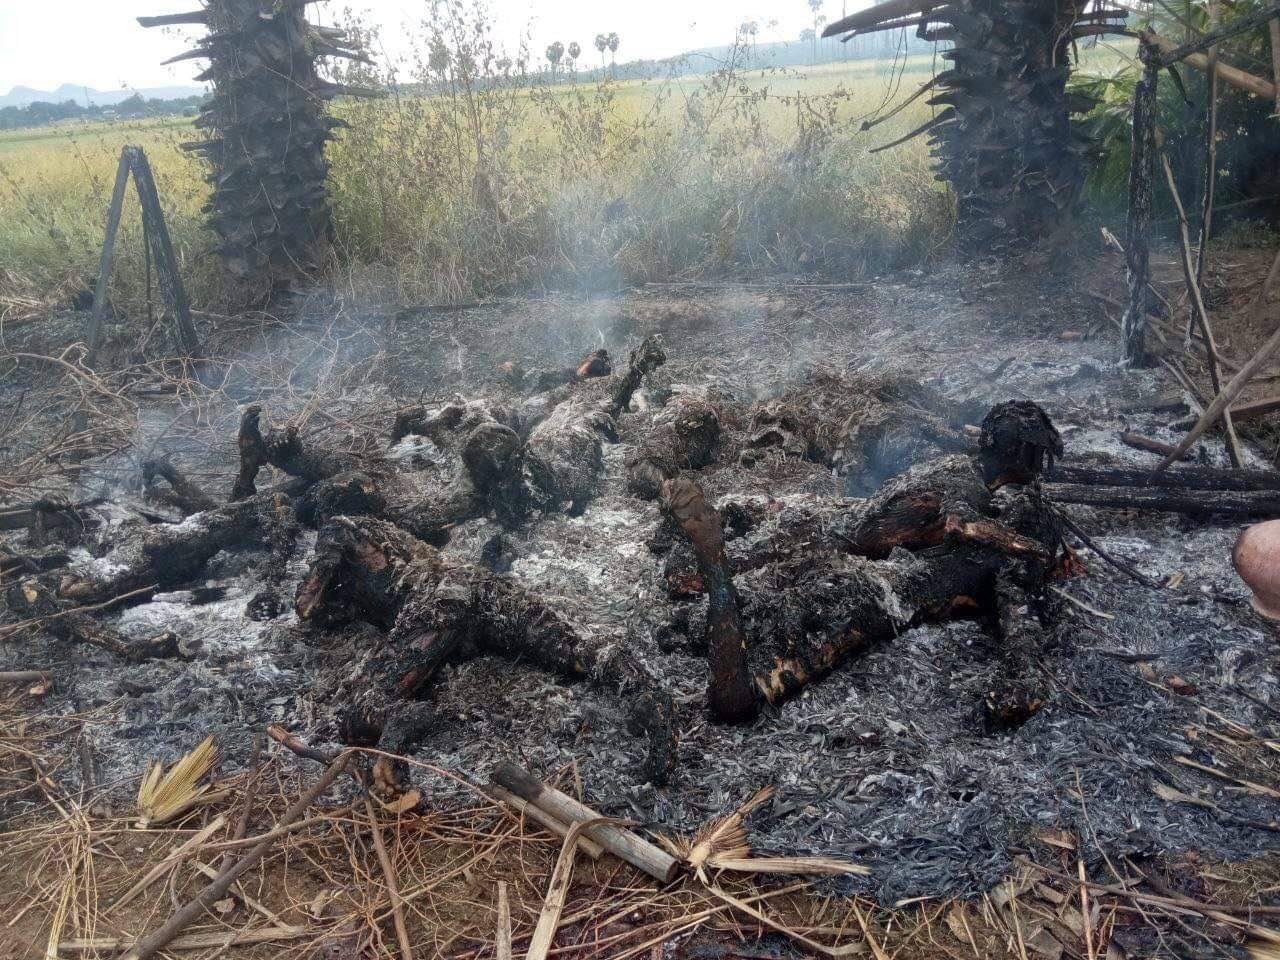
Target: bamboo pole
x=1228, y=74
x=620, y=842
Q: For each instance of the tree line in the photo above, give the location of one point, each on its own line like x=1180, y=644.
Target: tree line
x=42, y=113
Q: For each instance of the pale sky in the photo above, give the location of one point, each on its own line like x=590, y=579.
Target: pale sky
x=97, y=43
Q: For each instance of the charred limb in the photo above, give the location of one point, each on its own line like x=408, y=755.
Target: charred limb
x=644, y=360
x=437, y=611
x=729, y=688
x=167, y=554
x=179, y=492
x=793, y=618
x=564, y=455
x=284, y=450
x=683, y=438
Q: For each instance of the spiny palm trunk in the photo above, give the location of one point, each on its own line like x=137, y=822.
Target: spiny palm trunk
x=267, y=128
x=1004, y=139
x=1007, y=146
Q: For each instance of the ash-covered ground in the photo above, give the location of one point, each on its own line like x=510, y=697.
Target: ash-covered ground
x=885, y=760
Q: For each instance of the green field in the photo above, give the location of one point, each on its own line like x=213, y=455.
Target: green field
x=742, y=170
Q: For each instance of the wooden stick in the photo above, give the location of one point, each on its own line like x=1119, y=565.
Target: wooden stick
x=502, y=949
x=1089, y=542
x=1212, y=479
x=297, y=745
x=192, y=941
x=1198, y=310
x=389, y=875
x=1238, y=25
x=174, y=19
x=1133, y=325
x=920, y=91
x=1255, y=408
x=249, y=902
x=890, y=10
x=1210, y=153
x=542, y=818
x=620, y=842
x=1138, y=442
x=1223, y=400
x=104, y=262
x=1228, y=74
x=246, y=805
x=24, y=676
x=1274, y=28
x=216, y=890
x=169, y=862
x=558, y=889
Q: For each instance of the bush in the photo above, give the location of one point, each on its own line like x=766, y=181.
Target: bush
x=1248, y=142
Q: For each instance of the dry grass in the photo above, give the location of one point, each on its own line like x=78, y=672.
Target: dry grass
x=494, y=182
x=69, y=860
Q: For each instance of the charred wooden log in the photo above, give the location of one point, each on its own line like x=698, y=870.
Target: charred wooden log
x=684, y=437
x=1208, y=479
x=57, y=513
x=1224, y=504
x=437, y=611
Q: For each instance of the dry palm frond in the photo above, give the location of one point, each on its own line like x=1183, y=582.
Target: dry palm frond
x=164, y=795
x=722, y=845
x=724, y=837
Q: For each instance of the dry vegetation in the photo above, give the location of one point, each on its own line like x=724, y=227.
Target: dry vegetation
x=79, y=875
x=487, y=179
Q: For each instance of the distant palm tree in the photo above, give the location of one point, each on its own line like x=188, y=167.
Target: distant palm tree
x=554, y=53
x=612, y=41
x=575, y=50
x=602, y=44
x=815, y=7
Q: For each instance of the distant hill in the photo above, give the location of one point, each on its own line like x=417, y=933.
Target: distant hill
x=25, y=96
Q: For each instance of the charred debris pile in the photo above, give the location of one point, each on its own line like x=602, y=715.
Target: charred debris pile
x=397, y=568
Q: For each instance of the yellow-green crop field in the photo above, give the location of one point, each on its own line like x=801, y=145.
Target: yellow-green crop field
x=743, y=170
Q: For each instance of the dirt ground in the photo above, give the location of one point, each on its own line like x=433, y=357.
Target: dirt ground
x=883, y=762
